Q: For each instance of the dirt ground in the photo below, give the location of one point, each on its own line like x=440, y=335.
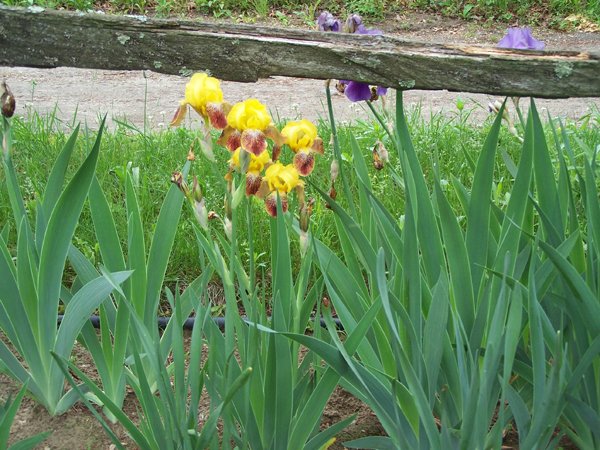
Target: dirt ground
x=78, y=429
x=86, y=95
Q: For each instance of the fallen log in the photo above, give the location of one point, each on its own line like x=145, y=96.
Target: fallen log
x=35, y=37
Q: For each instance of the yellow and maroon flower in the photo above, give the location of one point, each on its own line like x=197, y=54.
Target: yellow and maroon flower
x=203, y=93
x=255, y=166
x=301, y=137
x=252, y=119
x=280, y=180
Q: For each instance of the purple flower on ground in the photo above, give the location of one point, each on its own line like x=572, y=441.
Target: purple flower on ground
x=520, y=39
x=326, y=22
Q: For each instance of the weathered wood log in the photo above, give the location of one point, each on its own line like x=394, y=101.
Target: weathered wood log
x=45, y=38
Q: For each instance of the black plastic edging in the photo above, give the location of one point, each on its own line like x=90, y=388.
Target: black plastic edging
x=163, y=321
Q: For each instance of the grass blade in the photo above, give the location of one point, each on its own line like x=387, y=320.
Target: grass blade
x=61, y=226
x=428, y=231
x=478, y=215
x=136, y=247
x=160, y=249
x=458, y=260
x=57, y=175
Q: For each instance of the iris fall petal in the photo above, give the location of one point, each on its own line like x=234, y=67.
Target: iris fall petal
x=357, y=91
x=254, y=141
x=304, y=162
x=520, y=39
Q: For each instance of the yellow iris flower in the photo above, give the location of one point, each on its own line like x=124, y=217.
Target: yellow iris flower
x=202, y=90
x=300, y=135
x=251, y=118
x=256, y=164
x=249, y=115
x=204, y=94
x=282, y=178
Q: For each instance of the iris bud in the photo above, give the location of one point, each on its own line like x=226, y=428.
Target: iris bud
x=7, y=100
x=335, y=170
x=177, y=179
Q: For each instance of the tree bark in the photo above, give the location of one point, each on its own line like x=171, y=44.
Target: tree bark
x=45, y=38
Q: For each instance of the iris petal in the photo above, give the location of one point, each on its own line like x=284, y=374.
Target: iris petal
x=179, y=114
x=254, y=141
x=520, y=39
x=235, y=140
x=271, y=203
x=216, y=115
x=253, y=182
x=361, y=29
x=357, y=91
x=304, y=162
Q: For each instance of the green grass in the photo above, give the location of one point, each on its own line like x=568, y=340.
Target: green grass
x=552, y=12
x=442, y=144
x=549, y=12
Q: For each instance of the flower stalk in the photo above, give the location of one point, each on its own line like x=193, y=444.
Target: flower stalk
x=337, y=154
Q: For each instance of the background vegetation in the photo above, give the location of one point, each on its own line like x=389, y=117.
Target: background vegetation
x=441, y=142
x=552, y=13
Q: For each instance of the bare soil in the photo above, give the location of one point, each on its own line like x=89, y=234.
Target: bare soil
x=78, y=429
x=86, y=95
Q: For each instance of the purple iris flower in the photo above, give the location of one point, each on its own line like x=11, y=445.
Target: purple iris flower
x=381, y=90
x=355, y=25
x=356, y=91
x=353, y=22
x=520, y=39
x=326, y=22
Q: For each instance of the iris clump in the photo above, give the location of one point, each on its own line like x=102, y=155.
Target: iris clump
x=327, y=22
x=520, y=39
x=246, y=130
